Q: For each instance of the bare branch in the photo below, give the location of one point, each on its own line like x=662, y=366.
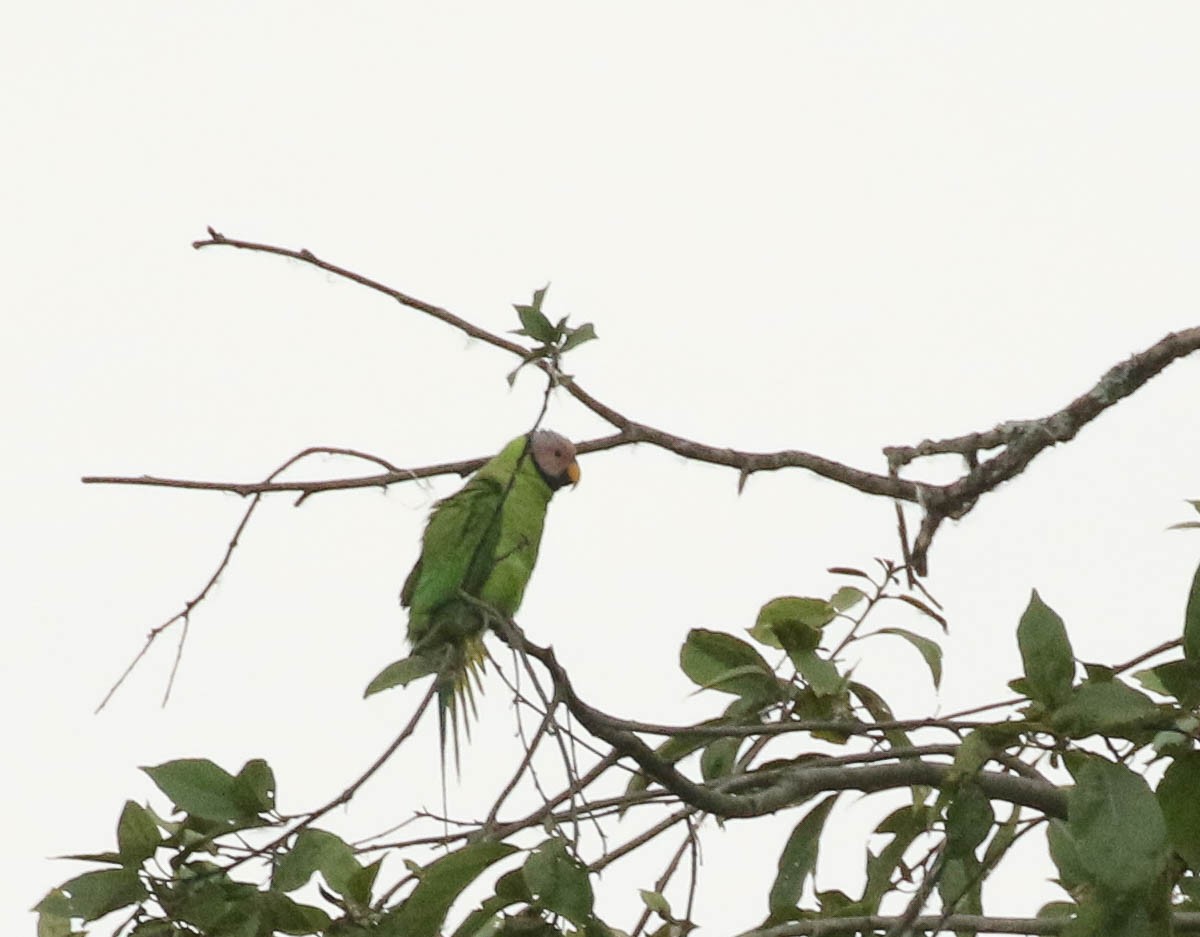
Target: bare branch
x=791, y=786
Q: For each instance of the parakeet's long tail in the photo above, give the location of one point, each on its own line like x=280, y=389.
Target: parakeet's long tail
x=462, y=666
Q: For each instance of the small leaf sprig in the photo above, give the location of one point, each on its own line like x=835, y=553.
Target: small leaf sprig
x=554, y=340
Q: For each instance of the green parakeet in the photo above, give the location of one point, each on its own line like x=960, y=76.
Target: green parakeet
x=482, y=543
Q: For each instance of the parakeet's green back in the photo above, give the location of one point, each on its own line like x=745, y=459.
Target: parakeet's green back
x=483, y=541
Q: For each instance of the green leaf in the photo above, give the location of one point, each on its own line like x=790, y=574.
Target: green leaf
x=401, y=673
x=254, y=786
x=846, y=597
x=930, y=651
x=424, y=911
x=1006, y=835
x=1177, y=678
x=798, y=860
x=1107, y=708
x=960, y=884
x=1046, y=652
x=969, y=819
x=137, y=835
x=95, y=894
x=791, y=612
x=214, y=904
x=1180, y=803
x=656, y=902
x=719, y=661
x=200, y=788
x=54, y=914
x=291, y=917
x=360, y=883
x=1065, y=854
x=924, y=609
x=1118, y=827
x=152, y=927
x=1191, y=621
x=880, y=711
x=905, y=825
x=510, y=889
x=317, y=851
x=818, y=673
x=576, y=337
x=973, y=753
x=533, y=322
x=559, y=882
x=720, y=757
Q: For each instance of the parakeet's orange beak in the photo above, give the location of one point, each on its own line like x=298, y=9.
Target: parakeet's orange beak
x=573, y=473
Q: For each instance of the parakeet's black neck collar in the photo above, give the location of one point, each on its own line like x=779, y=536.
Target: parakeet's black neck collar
x=554, y=482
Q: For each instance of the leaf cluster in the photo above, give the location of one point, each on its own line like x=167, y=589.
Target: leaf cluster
x=553, y=339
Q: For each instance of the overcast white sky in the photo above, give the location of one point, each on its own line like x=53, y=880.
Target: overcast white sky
x=823, y=226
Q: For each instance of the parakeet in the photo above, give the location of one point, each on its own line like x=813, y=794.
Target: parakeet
x=477, y=554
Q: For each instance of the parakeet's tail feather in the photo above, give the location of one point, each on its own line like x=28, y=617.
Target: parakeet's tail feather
x=463, y=663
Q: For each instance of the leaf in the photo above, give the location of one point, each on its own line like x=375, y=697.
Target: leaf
x=1064, y=852
x=719, y=661
x=510, y=889
x=922, y=607
x=254, y=786
x=360, y=883
x=533, y=322
x=576, y=337
x=846, y=597
x=95, y=894
x=152, y=927
x=905, y=825
x=791, y=611
x=137, y=835
x=847, y=571
x=720, y=757
x=819, y=673
x=424, y=911
x=930, y=651
x=317, y=851
x=291, y=917
x=216, y=905
x=969, y=819
x=1191, y=621
x=1117, y=826
x=798, y=860
x=1177, y=796
x=1006, y=835
x=1046, y=652
x=880, y=711
x=54, y=914
x=401, y=673
x=1108, y=708
x=559, y=882
x=973, y=753
x=960, y=885
x=1177, y=678
x=200, y=788
x=656, y=902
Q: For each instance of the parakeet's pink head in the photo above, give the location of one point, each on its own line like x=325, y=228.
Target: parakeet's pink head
x=554, y=456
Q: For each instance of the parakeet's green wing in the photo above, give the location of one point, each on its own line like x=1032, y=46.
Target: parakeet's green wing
x=456, y=554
